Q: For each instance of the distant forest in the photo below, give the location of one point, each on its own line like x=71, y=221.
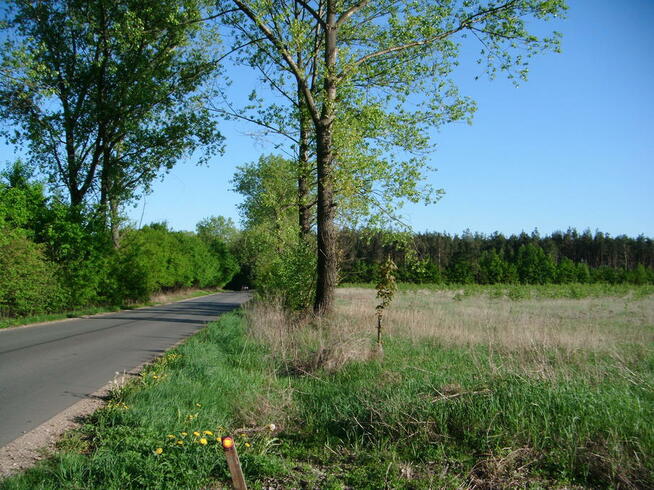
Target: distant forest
x=562, y=257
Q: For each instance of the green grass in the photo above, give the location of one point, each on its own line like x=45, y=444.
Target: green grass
x=527, y=291
x=94, y=310
x=428, y=415
x=199, y=387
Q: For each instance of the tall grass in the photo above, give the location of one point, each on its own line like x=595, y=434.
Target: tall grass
x=473, y=391
x=476, y=389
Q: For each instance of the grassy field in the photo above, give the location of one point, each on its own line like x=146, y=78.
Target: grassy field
x=475, y=389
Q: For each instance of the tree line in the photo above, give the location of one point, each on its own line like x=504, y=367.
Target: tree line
x=54, y=257
x=561, y=257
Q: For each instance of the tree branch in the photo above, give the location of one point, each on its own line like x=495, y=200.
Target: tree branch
x=311, y=103
x=312, y=11
x=465, y=24
x=350, y=12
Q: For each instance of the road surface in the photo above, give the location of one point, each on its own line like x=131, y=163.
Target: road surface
x=47, y=368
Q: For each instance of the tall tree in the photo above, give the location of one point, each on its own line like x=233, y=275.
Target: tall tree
x=387, y=66
x=105, y=93
x=288, y=118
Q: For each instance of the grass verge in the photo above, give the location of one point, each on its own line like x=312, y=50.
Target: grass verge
x=157, y=299
x=431, y=413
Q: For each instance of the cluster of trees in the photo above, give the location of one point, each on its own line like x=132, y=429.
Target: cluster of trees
x=55, y=257
x=361, y=86
x=491, y=259
x=108, y=95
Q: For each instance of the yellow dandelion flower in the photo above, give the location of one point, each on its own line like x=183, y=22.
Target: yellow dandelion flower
x=158, y=451
x=180, y=442
x=196, y=434
x=247, y=444
x=208, y=433
x=203, y=441
x=170, y=436
x=243, y=435
x=219, y=440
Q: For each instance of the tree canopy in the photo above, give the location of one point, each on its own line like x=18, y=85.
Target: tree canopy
x=374, y=78
x=106, y=94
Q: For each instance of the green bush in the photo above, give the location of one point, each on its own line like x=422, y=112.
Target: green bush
x=28, y=283
x=156, y=259
x=79, y=244
x=291, y=276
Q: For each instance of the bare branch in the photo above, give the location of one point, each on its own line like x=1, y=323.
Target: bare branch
x=233, y=50
x=312, y=11
x=273, y=129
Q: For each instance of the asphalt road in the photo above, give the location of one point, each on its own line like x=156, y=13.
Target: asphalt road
x=47, y=368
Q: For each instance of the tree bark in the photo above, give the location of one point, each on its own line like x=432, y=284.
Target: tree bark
x=115, y=222
x=327, y=271
x=303, y=176
x=327, y=238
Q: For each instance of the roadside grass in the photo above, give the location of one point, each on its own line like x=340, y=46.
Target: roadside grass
x=472, y=391
x=160, y=298
x=184, y=400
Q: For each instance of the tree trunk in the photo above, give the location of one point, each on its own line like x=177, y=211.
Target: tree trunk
x=327, y=237
x=327, y=247
x=115, y=222
x=303, y=176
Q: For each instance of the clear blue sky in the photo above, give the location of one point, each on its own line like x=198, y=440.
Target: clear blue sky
x=574, y=146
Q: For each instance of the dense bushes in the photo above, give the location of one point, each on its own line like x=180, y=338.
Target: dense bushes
x=54, y=257
x=157, y=259
x=28, y=282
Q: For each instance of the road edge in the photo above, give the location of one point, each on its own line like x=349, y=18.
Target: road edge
x=40, y=443
x=104, y=313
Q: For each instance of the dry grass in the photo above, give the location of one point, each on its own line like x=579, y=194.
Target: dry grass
x=303, y=344
x=592, y=324
x=544, y=337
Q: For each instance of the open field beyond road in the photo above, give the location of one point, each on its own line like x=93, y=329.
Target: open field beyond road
x=473, y=390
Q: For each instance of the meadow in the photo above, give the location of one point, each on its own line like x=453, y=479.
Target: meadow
x=476, y=388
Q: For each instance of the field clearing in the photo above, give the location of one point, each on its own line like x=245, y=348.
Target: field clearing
x=552, y=381
x=473, y=390
x=613, y=325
